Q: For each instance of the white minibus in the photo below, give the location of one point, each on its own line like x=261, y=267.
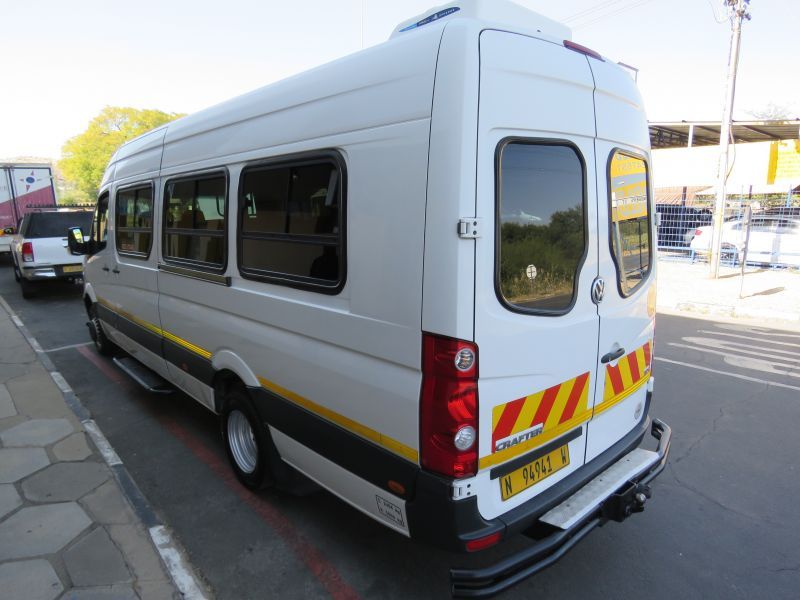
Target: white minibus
x=422, y=276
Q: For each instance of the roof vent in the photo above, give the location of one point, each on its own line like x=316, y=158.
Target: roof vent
x=502, y=13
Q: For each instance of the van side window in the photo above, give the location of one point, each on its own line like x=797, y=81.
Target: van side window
x=630, y=220
x=134, y=221
x=541, y=225
x=291, y=224
x=100, y=224
x=194, y=221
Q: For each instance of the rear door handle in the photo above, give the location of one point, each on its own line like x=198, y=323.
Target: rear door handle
x=106, y=269
x=115, y=270
x=613, y=355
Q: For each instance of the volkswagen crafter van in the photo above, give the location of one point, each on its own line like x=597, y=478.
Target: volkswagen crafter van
x=423, y=276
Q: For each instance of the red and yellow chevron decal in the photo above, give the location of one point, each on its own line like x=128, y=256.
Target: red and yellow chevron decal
x=622, y=379
x=530, y=421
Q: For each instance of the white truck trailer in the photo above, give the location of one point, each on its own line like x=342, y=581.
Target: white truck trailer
x=22, y=188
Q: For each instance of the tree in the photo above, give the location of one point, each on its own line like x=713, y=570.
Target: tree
x=772, y=112
x=86, y=155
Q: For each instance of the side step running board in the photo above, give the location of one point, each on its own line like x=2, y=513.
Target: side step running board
x=146, y=378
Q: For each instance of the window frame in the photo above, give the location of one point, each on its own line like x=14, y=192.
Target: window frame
x=187, y=263
x=301, y=159
x=534, y=141
x=648, y=192
x=135, y=186
x=98, y=244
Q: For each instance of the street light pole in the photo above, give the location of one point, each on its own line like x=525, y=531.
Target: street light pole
x=738, y=14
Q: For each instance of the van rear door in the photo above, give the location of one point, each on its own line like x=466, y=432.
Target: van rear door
x=536, y=325
x=626, y=262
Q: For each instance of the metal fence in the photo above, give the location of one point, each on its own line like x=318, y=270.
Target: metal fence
x=769, y=238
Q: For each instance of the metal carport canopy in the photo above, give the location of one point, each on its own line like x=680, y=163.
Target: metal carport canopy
x=706, y=133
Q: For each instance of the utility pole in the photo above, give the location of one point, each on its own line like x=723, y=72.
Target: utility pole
x=738, y=12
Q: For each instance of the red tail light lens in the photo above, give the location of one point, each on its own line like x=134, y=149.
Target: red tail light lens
x=27, y=252
x=449, y=406
x=698, y=231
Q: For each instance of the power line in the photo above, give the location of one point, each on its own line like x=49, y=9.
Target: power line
x=597, y=18
x=583, y=13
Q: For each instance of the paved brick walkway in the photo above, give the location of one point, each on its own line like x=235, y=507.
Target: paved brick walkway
x=66, y=530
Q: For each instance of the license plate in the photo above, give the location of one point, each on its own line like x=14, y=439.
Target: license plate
x=73, y=268
x=534, y=472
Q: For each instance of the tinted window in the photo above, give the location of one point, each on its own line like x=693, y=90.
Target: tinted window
x=56, y=224
x=194, y=220
x=100, y=223
x=541, y=225
x=134, y=219
x=291, y=224
x=630, y=219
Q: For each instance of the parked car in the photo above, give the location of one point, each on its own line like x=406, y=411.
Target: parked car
x=678, y=224
x=39, y=251
x=774, y=240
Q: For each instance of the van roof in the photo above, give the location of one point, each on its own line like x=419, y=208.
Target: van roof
x=405, y=40
x=494, y=13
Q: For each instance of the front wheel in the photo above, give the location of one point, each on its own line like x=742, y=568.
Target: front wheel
x=102, y=344
x=246, y=440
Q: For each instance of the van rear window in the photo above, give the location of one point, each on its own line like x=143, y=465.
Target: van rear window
x=630, y=220
x=541, y=225
x=55, y=224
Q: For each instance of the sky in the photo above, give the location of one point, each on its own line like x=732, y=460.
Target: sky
x=65, y=61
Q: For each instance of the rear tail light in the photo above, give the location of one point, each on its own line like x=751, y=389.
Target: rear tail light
x=27, y=252
x=698, y=232
x=449, y=406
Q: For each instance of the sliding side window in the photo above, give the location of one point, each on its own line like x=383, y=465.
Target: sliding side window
x=541, y=225
x=194, y=221
x=291, y=227
x=134, y=221
x=630, y=220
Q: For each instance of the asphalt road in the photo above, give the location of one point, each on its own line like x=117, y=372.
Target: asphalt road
x=724, y=521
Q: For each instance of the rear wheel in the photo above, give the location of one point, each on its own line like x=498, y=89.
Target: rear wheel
x=27, y=288
x=247, y=442
x=101, y=342
x=17, y=274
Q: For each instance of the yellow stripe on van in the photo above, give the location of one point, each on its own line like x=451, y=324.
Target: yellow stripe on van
x=157, y=330
x=352, y=426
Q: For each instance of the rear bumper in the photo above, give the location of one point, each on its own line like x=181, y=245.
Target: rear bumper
x=437, y=519
x=617, y=506
x=50, y=272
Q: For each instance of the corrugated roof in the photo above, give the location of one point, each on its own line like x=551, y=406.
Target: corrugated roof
x=706, y=133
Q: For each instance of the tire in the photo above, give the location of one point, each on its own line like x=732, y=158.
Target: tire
x=27, y=288
x=247, y=441
x=17, y=274
x=102, y=344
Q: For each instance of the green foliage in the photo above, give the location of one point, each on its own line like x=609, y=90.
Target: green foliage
x=555, y=249
x=86, y=155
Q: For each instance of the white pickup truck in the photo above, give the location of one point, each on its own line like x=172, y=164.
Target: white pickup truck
x=40, y=252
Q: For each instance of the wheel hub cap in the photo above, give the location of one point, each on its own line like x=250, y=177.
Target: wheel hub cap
x=242, y=442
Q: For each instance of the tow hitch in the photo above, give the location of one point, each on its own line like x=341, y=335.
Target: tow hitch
x=623, y=504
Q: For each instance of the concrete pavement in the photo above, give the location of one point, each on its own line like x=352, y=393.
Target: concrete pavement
x=66, y=528
x=768, y=295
